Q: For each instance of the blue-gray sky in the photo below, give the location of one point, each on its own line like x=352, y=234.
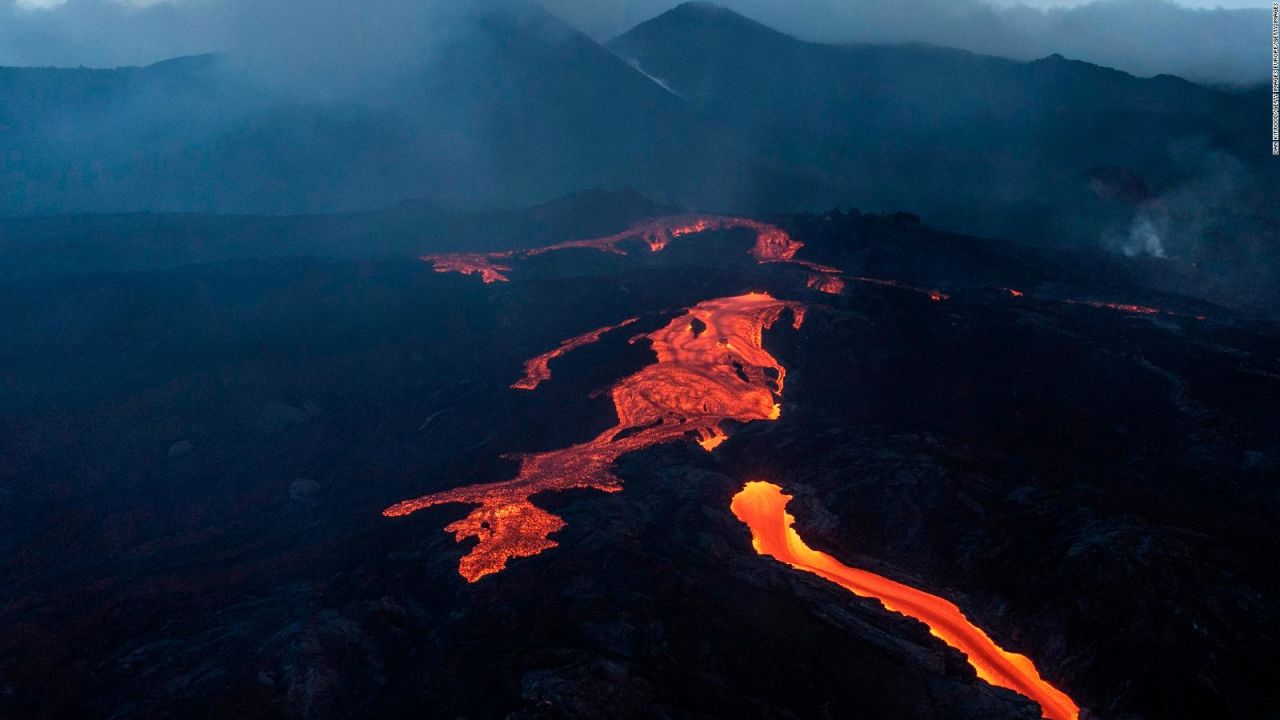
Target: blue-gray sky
x=1206, y=40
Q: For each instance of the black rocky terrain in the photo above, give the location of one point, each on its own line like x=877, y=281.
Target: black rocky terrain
x=193, y=459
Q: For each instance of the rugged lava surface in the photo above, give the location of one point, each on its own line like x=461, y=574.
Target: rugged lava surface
x=194, y=459
x=711, y=368
x=772, y=245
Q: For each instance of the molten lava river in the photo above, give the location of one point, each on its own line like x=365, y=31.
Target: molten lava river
x=763, y=507
x=538, y=370
x=772, y=245
x=710, y=367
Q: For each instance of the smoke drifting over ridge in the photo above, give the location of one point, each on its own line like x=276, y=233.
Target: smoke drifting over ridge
x=320, y=106
x=310, y=43
x=1145, y=37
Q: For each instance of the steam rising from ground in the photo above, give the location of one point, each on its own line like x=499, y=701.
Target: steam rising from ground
x=1211, y=219
x=1143, y=237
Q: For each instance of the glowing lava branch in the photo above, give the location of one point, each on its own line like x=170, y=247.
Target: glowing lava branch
x=711, y=367
x=538, y=370
x=481, y=264
x=772, y=244
x=1132, y=309
x=763, y=507
x=1128, y=308
x=1122, y=307
x=830, y=284
x=934, y=295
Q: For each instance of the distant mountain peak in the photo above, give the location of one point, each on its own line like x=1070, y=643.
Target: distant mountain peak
x=201, y=61
x=700, y=6
x=704, y=17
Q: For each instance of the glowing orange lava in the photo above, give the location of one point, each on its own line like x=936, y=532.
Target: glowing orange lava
x=1132, y=309
x=830, y=284
x=481, y=264
x=934, y=295
x=538, y=370
x=711, y=367
x=763, y=507
x=1129, y=308
x=772, y=244
x=1122, y=307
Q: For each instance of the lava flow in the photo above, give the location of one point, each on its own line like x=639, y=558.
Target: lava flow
x=763, y=507
x=481, y=264
x=1122, y=307
x=711, y=367
x=1128, y=308
x=538, y=370
x=1132, y=309
x=934, y=295
x=772, y=244
x=830, y=284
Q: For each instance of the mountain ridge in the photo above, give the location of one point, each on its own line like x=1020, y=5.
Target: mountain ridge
x=699, y=106
x=983, y=145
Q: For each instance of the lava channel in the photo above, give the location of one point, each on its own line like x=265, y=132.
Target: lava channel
x=934, y=295
x=1132, y=309
x=830, y=284
x=482, y=264
x=537, y=370
x=772, y=245
x=762, y=507
x=711, y=367
x=1121, y=307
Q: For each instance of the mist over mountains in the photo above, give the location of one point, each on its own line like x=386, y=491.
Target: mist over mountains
x=413, y=358
x=509, y=104
x=1145, y=37
x=498, y=103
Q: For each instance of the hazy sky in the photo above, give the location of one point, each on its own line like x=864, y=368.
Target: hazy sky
x=1192, y=38
x=35, y=4
x=48, y=4
x=1188, y=3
